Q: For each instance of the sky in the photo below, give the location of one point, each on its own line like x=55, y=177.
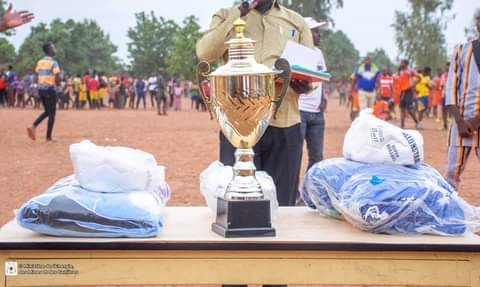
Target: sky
x=366, y=22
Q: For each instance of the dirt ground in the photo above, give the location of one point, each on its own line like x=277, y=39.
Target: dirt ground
x=185, y=142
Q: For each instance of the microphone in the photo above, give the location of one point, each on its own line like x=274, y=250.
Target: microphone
x=245, y=4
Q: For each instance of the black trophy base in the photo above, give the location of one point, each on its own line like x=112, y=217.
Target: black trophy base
x=243, y=219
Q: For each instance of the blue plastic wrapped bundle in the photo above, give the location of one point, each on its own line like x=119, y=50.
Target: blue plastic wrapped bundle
x=325, y=179
x=402, y=200
x=67, y=209
x=431, y=172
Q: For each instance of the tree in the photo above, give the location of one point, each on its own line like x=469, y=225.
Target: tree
x=151, y=40
x=182, y=59
x=381, y=59
x=471, y=31
x=81, y=46
x=340, y=54
x=7, y=52
x=419, y=32
x=318, y=9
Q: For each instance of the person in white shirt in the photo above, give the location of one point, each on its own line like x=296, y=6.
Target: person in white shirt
x=313, y=104
x=153, y=89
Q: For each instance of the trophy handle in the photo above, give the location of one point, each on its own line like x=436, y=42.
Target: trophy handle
x=203, y=69
x=282, y=65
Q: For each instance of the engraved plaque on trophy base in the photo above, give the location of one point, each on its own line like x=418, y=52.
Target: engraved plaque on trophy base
x=243, y=219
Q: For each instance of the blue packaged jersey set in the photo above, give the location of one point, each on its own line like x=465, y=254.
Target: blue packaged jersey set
x=391, y=199
x=67, y=209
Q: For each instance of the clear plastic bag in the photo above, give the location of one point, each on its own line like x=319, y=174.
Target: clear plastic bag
x=116, y=169
x=325, y=178
x=404, y=200
x=387, y=198
x=67, y=209
x=215, y=179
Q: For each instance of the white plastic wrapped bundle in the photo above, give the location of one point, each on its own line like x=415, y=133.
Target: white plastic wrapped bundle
x=116, y=169
x=372, y=140
x=215, y=179
x=115, y=192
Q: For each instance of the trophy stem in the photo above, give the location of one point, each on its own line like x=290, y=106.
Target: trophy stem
x=244, y=185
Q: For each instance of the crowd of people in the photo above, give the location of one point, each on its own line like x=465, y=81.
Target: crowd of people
x=415, y=92
x=96, y=90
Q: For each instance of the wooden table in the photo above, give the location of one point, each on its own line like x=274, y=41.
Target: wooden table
x=308, y=249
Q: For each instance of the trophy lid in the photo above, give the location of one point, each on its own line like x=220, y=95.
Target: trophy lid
x=241, y=55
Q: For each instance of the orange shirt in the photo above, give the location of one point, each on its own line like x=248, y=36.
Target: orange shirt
x=406, y=81
x=380, y=110
x=436, y=92
x=396, y=85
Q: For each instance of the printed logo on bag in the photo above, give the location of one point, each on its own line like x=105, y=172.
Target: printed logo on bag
x=393, y=152
x=376, y=135
x=373, y=215
x=413, y=146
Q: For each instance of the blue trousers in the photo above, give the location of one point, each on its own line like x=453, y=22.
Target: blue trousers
x=313, y=130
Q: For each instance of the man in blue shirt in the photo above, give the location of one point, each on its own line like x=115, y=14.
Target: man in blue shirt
x=140, y=89
x=366, y=78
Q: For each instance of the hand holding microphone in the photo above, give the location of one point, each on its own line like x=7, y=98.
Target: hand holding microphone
x=247, y=6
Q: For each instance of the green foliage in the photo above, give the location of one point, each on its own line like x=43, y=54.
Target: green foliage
x=80, y=46
x=419, y=33
x=340, y=54
x=380, y=58
x=7, y=52
x=318, y=9
x=150, y=43
x=182, y=59
x=471, y=31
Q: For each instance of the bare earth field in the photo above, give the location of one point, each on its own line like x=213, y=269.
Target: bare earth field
x=185, y=142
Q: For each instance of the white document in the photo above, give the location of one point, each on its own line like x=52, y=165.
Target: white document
x=297, y=54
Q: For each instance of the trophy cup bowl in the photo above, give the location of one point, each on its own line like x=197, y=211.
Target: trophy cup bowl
x=243, y=99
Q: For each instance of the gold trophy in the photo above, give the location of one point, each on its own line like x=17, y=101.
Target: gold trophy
x=243, y=100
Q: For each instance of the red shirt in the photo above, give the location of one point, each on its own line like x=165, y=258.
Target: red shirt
x=92, y=85
x=126, y=83
x=86, y=79
x=386, y=84
x=3, y=83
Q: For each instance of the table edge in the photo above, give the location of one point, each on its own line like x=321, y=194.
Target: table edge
x=228, y=246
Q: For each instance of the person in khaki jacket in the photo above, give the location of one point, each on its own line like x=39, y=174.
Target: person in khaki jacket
x=271, y=25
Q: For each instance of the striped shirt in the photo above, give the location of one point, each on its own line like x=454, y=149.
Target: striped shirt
x=47, y=68
x=463, y=90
